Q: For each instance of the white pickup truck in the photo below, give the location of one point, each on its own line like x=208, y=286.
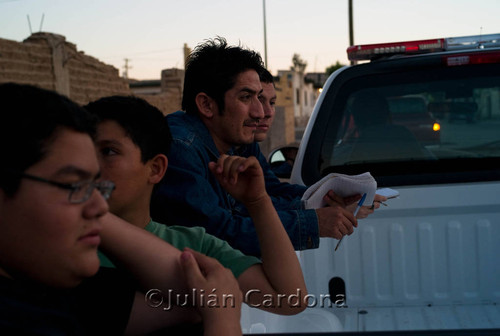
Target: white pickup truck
x=423, y=117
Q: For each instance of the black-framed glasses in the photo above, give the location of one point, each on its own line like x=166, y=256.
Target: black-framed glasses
x=79, y=192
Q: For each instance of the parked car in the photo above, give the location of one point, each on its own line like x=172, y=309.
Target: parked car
x=413, y=113
x=428, y=262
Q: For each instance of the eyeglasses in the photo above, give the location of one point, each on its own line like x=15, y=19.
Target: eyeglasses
x=80, y=191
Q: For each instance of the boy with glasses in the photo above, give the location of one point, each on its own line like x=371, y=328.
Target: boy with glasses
x=52, y=221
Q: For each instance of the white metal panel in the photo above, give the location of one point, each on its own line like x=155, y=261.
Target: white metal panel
x=420, y=318
x=433, y=245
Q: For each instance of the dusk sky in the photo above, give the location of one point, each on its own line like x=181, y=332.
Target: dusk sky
x=151, y=33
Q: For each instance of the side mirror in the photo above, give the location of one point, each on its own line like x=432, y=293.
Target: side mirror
x=282, y=159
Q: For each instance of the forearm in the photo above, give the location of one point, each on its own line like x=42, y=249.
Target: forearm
x=279, y=261
x=151, y=261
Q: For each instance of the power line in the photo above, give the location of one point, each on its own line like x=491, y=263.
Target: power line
x=144, y=52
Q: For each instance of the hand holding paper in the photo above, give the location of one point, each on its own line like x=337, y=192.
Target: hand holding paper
x=343, y=185
x=337, y=220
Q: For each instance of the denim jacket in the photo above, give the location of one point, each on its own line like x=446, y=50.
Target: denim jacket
x=190, y=195
x=285, y=196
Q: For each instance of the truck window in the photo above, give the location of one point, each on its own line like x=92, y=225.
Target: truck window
x=426, y=118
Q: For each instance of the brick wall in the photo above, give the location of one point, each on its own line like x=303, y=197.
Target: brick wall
x=26, y=63
x=166, y=102
x=48, y=61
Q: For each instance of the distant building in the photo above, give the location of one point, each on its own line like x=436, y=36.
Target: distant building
x=300, y=94
x=145, y=87
x=164, y=93
x=318, y=79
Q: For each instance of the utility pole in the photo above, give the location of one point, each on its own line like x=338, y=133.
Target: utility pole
x=126, y=67
x=265, y=33
x=351, y=29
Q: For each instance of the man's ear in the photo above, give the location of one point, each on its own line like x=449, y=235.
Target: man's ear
x=206, y=105
x=158, y=166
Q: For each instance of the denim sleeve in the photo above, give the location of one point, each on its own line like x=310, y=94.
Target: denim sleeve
x=302, y=227
x=189, y=195
x=284, y=195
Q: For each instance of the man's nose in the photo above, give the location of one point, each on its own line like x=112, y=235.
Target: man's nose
x=268, y=110
x=257, y=111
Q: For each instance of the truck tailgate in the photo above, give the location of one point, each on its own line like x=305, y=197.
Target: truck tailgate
x=429, y=260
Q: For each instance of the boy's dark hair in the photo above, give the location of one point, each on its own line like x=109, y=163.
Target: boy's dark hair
x=212, y=68
x=266, y=77
x=143, y=123
x=30, y=120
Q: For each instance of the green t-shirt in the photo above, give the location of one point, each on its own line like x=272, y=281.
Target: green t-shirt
x=197, y=239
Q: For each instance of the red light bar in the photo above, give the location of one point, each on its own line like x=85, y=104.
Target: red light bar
x=372, y=51
x=472, y=58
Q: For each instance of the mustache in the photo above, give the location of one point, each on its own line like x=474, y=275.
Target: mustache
x=251, y=122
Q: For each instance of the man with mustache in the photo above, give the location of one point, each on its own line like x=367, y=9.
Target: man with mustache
x=285, y=195
x=222, y=112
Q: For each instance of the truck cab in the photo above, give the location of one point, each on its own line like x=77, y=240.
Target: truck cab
x=423, y=117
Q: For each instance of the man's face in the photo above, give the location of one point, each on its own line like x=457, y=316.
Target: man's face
x=43, y=236
x=268, y=100
x=238, y=123
x=120, y=161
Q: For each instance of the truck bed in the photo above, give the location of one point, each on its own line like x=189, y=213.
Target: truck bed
x=421, y=318
x=427, y=261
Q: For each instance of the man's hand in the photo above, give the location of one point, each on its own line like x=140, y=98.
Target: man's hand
x=335, y=222
x=241, y=177
x=367, y=210
x=210, y=280
x=350, y=203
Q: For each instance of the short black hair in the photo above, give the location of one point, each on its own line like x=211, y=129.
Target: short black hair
x=212, y=68
x=30, y=120
x=266, y=77
x=143, y=123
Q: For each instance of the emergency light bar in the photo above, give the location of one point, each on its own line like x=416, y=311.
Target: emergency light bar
x=374, y=51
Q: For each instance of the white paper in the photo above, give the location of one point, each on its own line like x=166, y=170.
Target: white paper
x=388, y=192
x=342, y=185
